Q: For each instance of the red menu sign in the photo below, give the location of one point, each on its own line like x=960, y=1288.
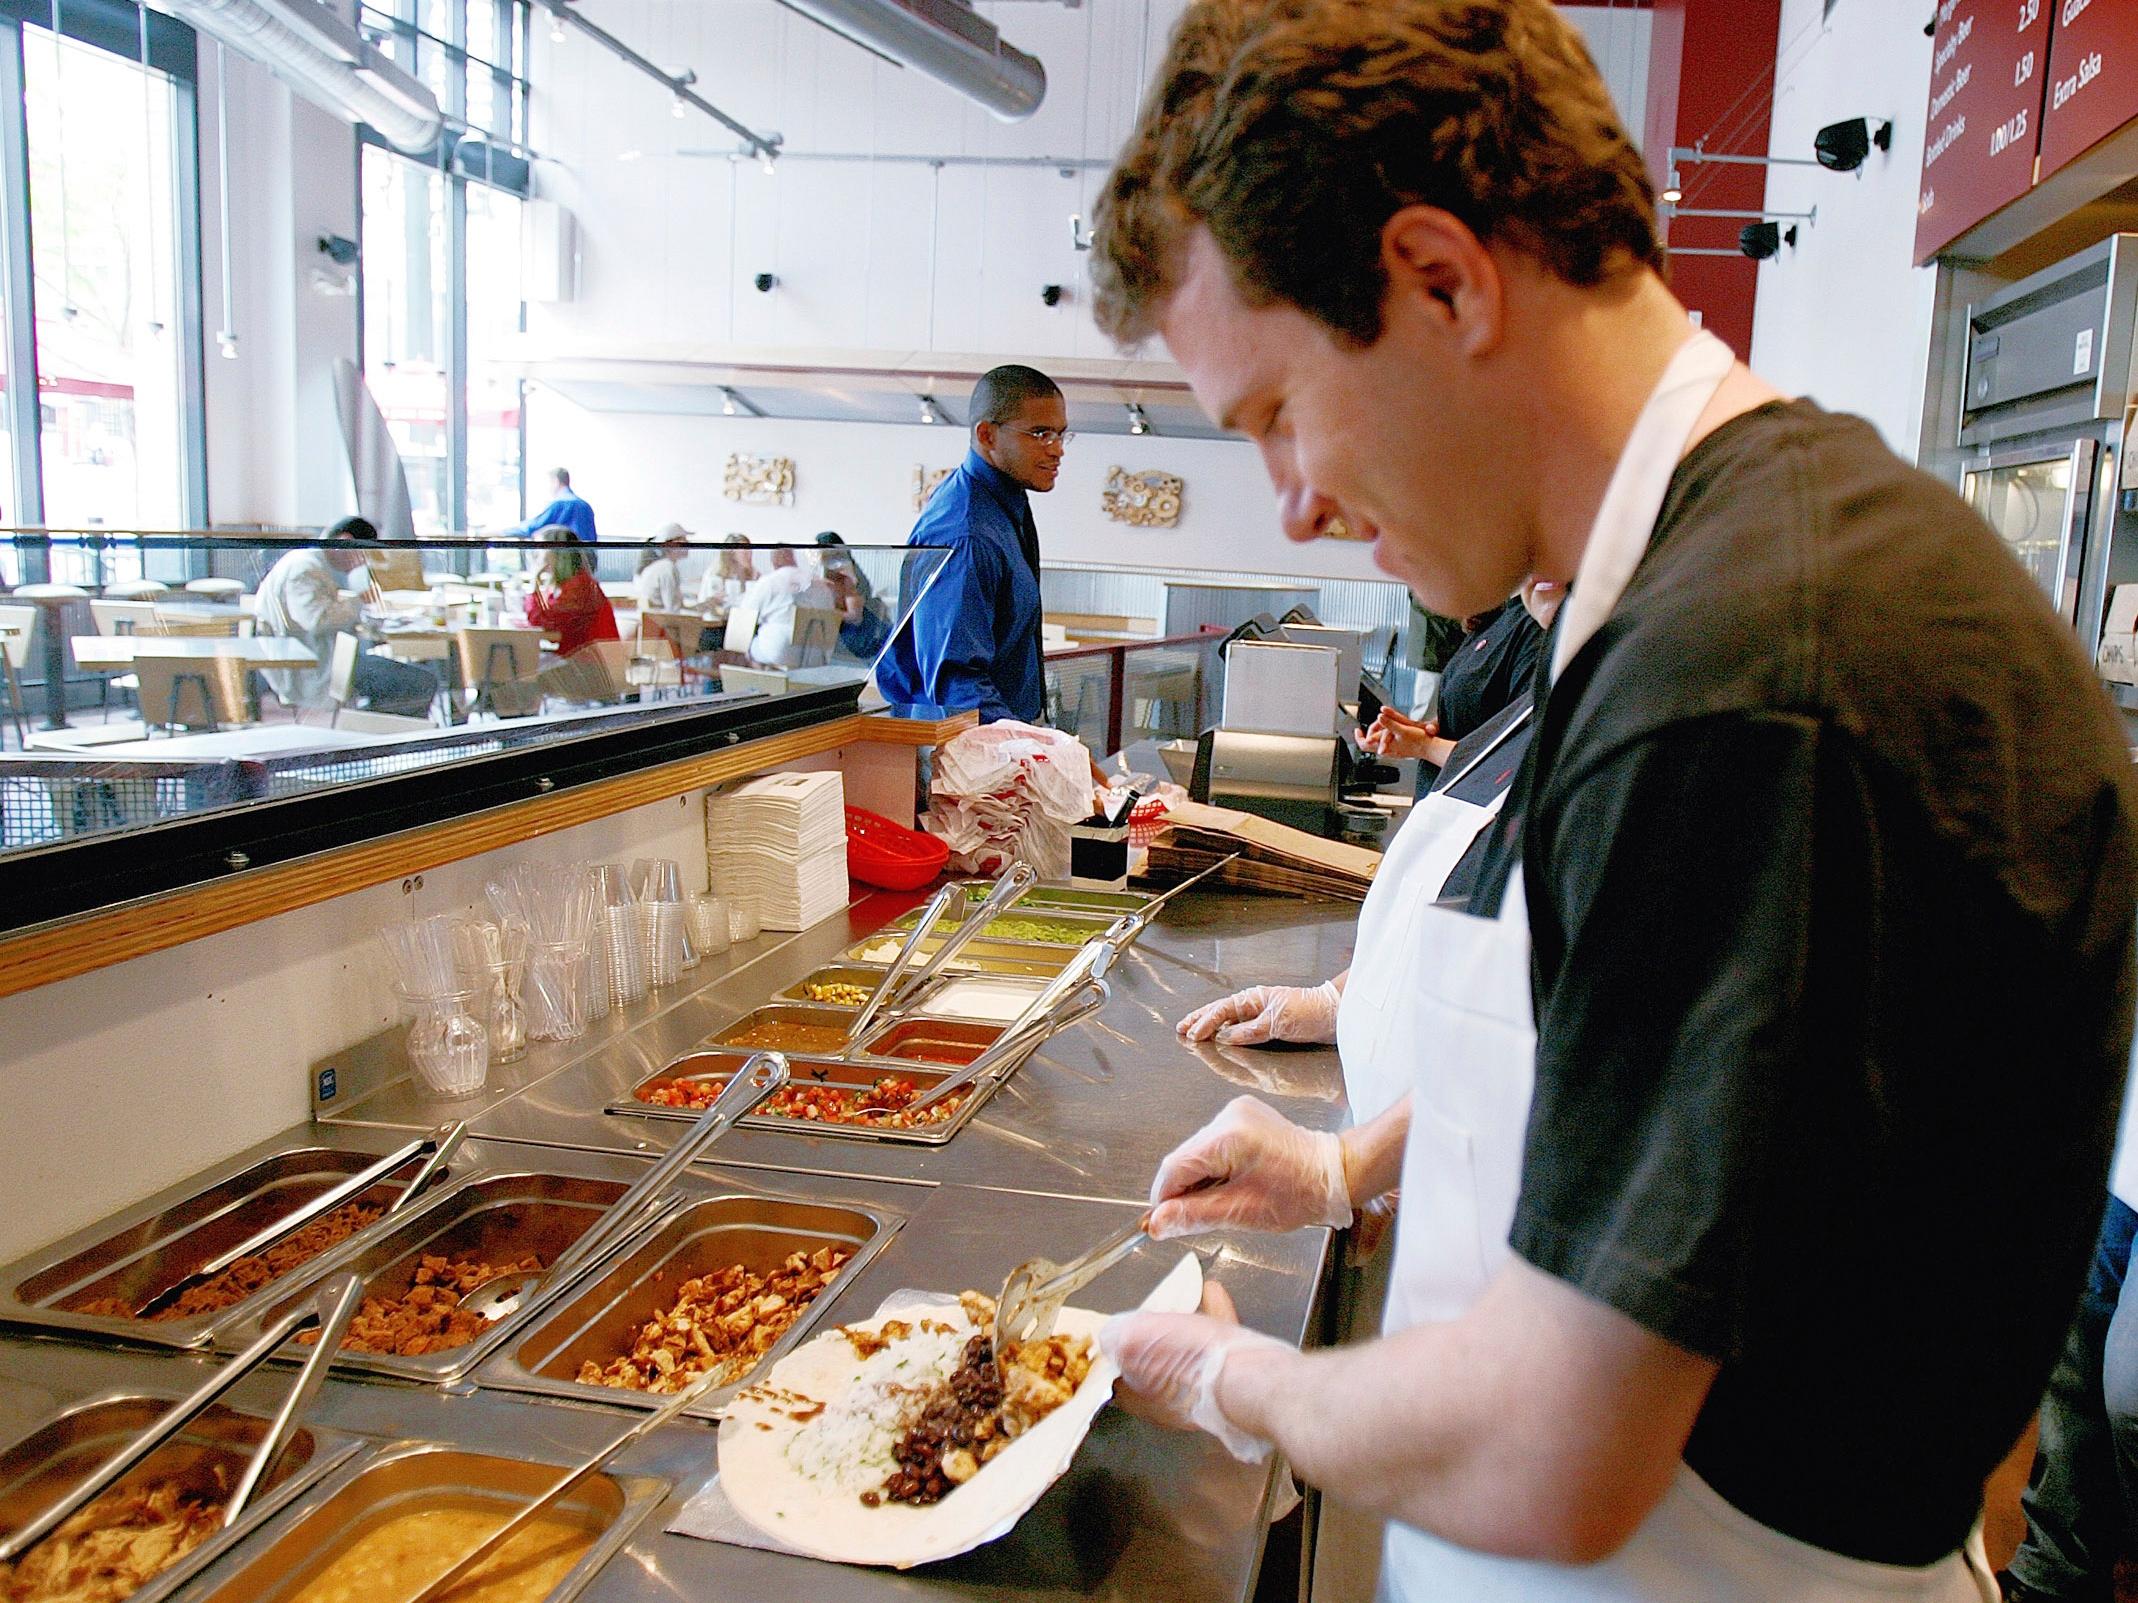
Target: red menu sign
x=2093, y=77
x=1987, y=67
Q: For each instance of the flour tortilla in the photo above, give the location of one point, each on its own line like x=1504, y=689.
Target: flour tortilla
x=830, y=1522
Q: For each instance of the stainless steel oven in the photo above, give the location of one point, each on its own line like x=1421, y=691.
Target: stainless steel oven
x=2048, y=392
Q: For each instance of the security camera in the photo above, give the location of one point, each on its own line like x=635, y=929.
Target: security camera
x=342, y=252
x=764, y=283
x=1842, y=146
x=1761, y=240
x=1051, y=294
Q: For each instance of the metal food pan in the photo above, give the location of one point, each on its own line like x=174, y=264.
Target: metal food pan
x=599, y=1319
x=498, y=1218
x=967, y=1036
x=302, y=1547
x=851, y=1072
x=981, y=957
x=210, y=1452
x=867, y=976
x=1069, y=898
x=155, y=1245
x=1089, y=925
x=775, y=1015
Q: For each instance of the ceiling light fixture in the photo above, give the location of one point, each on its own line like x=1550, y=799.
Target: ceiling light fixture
x=928, y=414
x=1137, y=422
x=1674, y=191
x=556, y=27
x=727, y=401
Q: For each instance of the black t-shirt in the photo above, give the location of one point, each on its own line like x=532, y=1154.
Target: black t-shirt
x=1828, y=857
x=1488, y=670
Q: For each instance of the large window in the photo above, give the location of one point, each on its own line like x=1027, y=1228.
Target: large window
x=441, y=264
x=100, y=265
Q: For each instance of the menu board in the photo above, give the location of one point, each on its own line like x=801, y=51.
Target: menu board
x=1988, y=63
x=2093, y=77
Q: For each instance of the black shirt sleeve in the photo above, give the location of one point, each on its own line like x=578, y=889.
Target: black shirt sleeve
x=1671, y=1030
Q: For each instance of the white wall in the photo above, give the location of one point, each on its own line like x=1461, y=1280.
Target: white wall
x=274, y=452
x=1844, y=318
x=641, y=471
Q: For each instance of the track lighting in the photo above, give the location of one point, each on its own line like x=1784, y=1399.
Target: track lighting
x=727, y=402
x=1674, y=191
x=1137, y=422
x=928, y=414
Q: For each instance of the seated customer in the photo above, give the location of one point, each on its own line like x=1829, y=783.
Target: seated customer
x=569, y=603
x=863, y=625
x=726, y=581
x=659, y=583
x=774, y=599
x=304, y=598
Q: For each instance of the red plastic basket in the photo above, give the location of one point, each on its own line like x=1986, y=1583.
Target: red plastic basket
x=889, y=855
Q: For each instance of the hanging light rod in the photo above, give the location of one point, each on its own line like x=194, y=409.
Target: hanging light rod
x=1693, y=155
x=1731, y=211
x=1067, y=166
x=763, y=146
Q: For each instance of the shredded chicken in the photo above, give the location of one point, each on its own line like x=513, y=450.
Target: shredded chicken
x=722, y=1323
x=118, y=1544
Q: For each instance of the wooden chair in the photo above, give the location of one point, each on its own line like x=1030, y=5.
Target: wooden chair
x=114, y=619
x=499, y=668
x=341, y=677
x=771, y=681
x=815, y=629
x=654, y=665
x=179, y=693
x=21, y=622
x=741, y=629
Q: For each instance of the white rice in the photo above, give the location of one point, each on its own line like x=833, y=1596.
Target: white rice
x=849, y=1444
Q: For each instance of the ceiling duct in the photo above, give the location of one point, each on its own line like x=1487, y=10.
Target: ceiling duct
x=319, y=55
x=947, y=40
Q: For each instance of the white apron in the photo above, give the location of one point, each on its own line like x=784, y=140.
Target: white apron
x=1462, y=1166
x=1377, y=1022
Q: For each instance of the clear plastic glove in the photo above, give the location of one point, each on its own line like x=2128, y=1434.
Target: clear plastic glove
x=1170, y=1364
x=1250, y=1168
x=1306, y=1014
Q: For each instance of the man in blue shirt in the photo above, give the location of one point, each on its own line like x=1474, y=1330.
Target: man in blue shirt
x=973, y=638
x=567, y=509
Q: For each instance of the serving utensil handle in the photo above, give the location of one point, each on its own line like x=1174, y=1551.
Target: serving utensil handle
x=887, y=988
x=335, y=1303
x=174, y=1419
x=763, y=1074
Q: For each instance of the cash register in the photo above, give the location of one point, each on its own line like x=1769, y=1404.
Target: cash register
x=1284, y=747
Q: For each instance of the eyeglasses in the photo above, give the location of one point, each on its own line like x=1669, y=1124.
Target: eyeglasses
x=1047, y=436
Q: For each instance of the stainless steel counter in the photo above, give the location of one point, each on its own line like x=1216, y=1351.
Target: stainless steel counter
x=1091, y=1114
x=1053, y=1163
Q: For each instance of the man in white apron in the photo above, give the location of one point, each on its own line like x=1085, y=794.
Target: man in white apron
x=1798, y=976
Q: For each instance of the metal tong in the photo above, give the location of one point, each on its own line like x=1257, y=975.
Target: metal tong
x=441, y=1144
x=1143, y=915
x=760, y=1076
x=890, y=986
x=1012, y=1045
x=467, y=1562
x=1045, y=1014
x=330, y=1308
x=1033, y=1294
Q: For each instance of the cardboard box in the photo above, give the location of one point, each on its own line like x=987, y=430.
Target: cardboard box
x=2118, y=659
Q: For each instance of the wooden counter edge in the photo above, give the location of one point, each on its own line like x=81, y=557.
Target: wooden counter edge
x=98, y=940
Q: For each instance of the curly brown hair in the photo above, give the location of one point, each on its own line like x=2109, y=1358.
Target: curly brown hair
x=1293, y=129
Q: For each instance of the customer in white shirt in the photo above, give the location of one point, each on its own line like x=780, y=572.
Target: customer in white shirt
x=774, y=599
x=303, y=598
x=726, y=581
x=660, y=573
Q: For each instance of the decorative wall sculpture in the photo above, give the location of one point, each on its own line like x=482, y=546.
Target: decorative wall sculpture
x=926, y=481
x=763, y=481
x=1148, y=499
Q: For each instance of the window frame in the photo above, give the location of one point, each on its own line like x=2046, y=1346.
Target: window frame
x=462, y=156
x=120, y=28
